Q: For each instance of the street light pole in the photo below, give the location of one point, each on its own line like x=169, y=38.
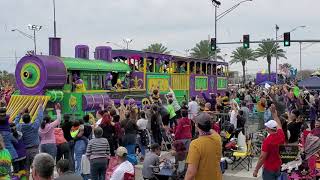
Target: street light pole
x=300, y=43
x=127, y=41
x=217, y=17
x=34, y=28
x=276, y=44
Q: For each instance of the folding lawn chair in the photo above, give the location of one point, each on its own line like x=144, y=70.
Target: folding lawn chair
x=243, y=158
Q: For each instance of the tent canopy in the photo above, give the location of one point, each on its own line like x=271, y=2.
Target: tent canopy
x=310, y=83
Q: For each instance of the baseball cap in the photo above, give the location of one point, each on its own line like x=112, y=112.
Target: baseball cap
x=272, y=124
x=122, y=151
x=203, y=118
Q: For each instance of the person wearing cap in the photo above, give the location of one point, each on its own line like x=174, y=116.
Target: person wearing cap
x=124, y=165
x=204, y=152
x=151, y=159
x=270, y=157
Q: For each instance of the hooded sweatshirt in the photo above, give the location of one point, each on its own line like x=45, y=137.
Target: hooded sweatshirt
x=47, y=133
x=59, y=136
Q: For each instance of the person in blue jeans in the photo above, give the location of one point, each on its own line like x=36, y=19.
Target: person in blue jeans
x=80, y=145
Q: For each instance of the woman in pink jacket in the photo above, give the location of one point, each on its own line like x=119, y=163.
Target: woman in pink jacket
x=46, y=133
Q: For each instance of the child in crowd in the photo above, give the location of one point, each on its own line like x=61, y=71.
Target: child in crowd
x=19, y=163
x=5, y=161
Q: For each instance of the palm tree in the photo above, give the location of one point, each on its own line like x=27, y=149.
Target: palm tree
x=202, y=50
x=157, y=48
x=268, y=49
x=243, y=55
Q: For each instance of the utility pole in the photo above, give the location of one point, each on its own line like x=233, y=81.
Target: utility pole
x=15, y=57
x=277, y=29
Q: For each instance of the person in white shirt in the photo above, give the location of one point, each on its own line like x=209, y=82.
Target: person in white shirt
x=193, y=108
x=233, y=115
x=124, y=166
x=144, y=135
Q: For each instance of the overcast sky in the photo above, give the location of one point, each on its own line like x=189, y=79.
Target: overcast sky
x=178, y=24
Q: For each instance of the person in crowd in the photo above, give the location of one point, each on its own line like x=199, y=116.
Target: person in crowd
x=108, y=132
x=313, y=113
x=66, y=128
x=316, y=130
x=207, y=146
x=30, y=133
x=99, y=115
x=193, y=108
x=5, y=131
x=43, y=167
x=130, y=133
x=87, y=131
x=152, y=159
x=261, y=106
x=80, y=145
x=64, y=171
x=18, y=163
x=156, y=124
x=267, y=113
x=245, y=110
x=5, y=161
x=143, y=137
x=46, y=133
x=172, y=113
x=183, y=129
x=270, y=157
x=63, y=148
x=294, y=126
x=122, y=110
x=98, y=150
x=212, y=100
x=175, y=103
x=241, y=121
x=124, y=165
x=233, y=114
x=119, y=132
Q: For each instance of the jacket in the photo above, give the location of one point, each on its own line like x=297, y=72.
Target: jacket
x=58, y=133
x=47, y=133
x=183, y=129
x=30, y=135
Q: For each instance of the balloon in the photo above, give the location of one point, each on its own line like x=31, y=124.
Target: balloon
x=296, y=91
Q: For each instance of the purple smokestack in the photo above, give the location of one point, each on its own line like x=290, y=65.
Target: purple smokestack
x=82, y=51
x=55, y=46
x=103, y=53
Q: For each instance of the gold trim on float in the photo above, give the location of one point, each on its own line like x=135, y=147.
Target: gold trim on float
x=32, y=103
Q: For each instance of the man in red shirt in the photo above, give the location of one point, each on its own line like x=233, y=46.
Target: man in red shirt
x=270, y=157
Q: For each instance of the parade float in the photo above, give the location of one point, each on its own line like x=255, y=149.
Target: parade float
x=81, y=85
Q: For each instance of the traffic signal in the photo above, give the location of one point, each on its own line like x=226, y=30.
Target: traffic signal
x=246, y=41
x=213, y=44
x=286, y=39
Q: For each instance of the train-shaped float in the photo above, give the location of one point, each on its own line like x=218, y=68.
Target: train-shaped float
x=81, y=84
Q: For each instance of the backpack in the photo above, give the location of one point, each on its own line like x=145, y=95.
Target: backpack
x=144, y=136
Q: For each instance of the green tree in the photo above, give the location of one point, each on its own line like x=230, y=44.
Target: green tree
x=202, y=50
x=6, y=78
x=157, y=48
x=242, y=55
x=269, y=49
